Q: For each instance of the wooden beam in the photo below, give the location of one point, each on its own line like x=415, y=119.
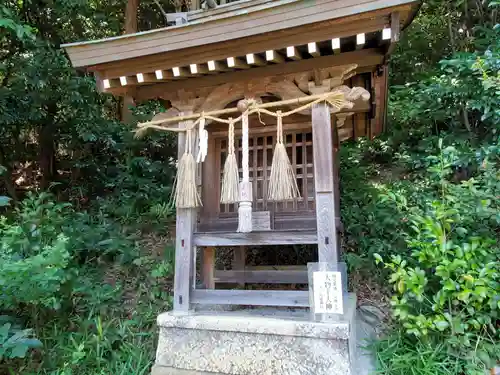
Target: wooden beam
x=200, y=55
x=395, y=33
x=273, y=56
x=360, y=119
x=216, y=66
x=128, y=81
x=324, y=184
x=143, y=78
x=336, y=180
x=313, y=49
x=184, y=247
x=239, y=263
x=236, y=63
x=336, y=45
x=108, y=84
x=395, y=26
x=163, y=74
x=198, y=69
x=360, y=40
x=253, y=59
x=180, y=72
x=386, y=33
x=298, y=298
x=294, y=17
x=262, y=276
x=364, y=58
x=255, y=238
x=208, y=267
x=293, y=53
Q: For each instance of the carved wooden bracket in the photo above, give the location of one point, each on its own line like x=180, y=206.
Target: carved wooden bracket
x=284, y=88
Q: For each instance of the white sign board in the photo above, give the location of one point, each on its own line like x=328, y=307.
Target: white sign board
x=328, y=292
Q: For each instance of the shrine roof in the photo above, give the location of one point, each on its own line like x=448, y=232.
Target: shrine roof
x=221, y=39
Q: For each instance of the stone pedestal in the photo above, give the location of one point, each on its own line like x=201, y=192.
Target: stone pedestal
x=257, y=342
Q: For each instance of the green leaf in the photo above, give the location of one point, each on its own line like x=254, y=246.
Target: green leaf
x=441, y=325
x=19, y=351
x=4, y=201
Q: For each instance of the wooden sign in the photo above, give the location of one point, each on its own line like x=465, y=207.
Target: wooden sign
x=261, y=221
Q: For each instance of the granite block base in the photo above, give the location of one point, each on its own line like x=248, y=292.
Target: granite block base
x=256, y=342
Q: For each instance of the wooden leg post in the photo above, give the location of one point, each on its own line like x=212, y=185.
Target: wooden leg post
x=239, y=260
x=324, y=184
x=208, y=267
x=184, y=249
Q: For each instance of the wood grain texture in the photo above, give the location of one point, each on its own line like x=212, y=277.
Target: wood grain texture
x=295, y=14
x=208, y=267
x=324, y=184
x=296, y=298
x=360, y=119
x=261, y=221
x=255, y=238
x=239, y=263
x=184, y=249
x=322, y=141
x=327, y=234
x=210, y=182
x=262, y=276
x=364, y=58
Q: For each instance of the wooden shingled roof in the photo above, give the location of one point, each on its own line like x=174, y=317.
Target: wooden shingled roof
x=245, y=38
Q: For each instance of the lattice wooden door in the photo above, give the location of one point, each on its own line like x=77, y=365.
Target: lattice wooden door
x=299, y=147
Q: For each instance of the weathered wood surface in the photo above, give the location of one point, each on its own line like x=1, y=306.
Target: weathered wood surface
x=288, y=17
x=208, y=267
x=262, y=276
x=255, y=238
x=211, y=178
x=300, y=221
x=239, y=262
x=323, y=146
x=364, y=58
x=360, y=119
x=261, y=221
x=324, y=184
x=296, y=298
x=184, y=249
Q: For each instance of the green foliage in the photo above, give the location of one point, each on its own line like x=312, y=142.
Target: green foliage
x=463, y=95
x=448, y=288
x=400, y=355
x=16, y=342
x=34, y=280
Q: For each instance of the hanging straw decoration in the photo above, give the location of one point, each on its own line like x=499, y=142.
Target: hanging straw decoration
x=245, y=206
x=283, y=185
x=229, y=188
x=185, y=190
x=282, y=182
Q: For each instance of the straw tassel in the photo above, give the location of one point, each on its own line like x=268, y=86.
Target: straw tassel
x=282, y=182
x=229, y=188
x=185, y=190
x=245, y=206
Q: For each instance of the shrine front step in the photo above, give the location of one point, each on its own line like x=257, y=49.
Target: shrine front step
x=257, y=342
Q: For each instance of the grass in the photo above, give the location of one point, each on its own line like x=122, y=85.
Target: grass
x=110, y=329
x=398, y=355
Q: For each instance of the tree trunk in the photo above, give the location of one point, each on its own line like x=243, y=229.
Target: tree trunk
x=130, y=28
x=46, y=155
x=131, y=16
x=7, y=177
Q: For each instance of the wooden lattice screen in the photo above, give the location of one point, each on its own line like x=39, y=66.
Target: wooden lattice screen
x=299, y=148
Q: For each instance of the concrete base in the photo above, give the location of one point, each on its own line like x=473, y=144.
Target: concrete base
x=257, y=342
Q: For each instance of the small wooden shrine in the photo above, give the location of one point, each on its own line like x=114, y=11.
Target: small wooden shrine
x=276, y=86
